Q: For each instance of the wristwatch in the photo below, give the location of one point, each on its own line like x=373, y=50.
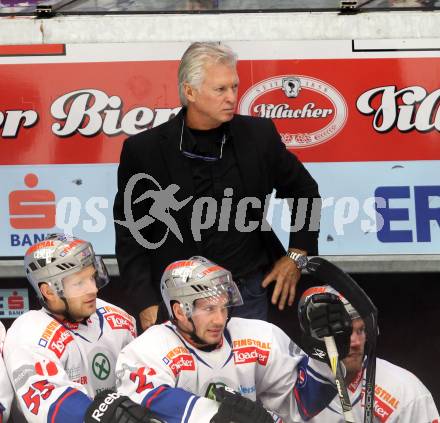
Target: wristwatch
x=299, y=259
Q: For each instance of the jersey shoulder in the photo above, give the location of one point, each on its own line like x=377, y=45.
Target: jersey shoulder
x=31, y=328
x=36, y=333
x=104, y=306
x=156, y=341
x=116, y=317
x=398, y=382
x=254, y=332
x=238, y=326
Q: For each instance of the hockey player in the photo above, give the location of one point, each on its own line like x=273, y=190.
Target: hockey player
x=177, y=368
x=61, y=356
x=6, y=392
x=399, y=395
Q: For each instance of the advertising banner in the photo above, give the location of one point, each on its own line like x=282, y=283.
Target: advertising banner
x=13, y=303
x=364, y=121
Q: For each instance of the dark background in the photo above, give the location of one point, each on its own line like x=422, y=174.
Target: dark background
x=408, y=305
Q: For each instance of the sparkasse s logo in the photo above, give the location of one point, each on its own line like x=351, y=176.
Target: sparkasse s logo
x=306, y=110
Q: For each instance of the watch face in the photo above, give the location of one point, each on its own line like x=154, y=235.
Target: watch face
x=301, y=261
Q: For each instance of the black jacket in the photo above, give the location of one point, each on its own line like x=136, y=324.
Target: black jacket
x=265, y=165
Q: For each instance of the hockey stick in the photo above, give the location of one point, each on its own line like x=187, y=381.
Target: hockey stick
x=326, y=272
x=333, y=356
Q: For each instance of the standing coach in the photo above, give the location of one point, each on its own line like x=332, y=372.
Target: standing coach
x=172, y=173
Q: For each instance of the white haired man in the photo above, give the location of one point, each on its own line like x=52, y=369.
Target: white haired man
x=184, y=369
x=226, y=166
x=61, y=359
x=399, y=395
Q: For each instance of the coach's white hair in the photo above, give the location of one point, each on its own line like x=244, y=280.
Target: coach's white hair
x=197, y=55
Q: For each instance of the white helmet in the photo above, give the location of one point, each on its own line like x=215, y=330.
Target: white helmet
x=186, y=281
x=58, y=257
x=352, y=312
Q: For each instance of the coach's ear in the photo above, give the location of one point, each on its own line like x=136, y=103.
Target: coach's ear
x=190, y=92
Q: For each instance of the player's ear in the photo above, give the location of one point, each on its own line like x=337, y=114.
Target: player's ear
x=178, y=311
x=47, y=292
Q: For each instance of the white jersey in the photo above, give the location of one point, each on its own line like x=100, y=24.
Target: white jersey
x=173, y=378
x=399, y=397
x=57, y=368
x=6, y=391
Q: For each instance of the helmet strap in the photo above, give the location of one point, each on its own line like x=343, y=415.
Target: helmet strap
x=66, y=312
x=199, y=342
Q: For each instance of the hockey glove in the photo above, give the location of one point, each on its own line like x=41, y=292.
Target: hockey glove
x=111, y=407
x=324, y=315
x=238, y=409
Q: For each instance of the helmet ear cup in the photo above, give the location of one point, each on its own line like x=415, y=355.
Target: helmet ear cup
x=187, y=309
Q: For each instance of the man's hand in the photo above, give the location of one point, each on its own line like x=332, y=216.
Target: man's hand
x=148, y=316
x=234, y=408
x=324, y=315
x=285, y=274
x=112, y=407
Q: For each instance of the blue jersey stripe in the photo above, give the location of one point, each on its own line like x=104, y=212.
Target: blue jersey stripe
x=174, y=405
x=190, y=408
x=70, y=407
x=312, y=395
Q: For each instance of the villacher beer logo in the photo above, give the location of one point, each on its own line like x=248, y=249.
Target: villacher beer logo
x=306, y=110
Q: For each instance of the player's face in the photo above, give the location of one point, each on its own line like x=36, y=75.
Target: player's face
x=209, y=317
x=353, y=361
x=214, y=102
x=80, y=291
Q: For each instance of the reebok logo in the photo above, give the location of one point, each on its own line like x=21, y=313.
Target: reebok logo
x=99, y=412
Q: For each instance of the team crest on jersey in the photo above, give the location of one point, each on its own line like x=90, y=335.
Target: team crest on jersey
x=251, y=351
x=55, y=337
x=179, y=359
x=117, y=319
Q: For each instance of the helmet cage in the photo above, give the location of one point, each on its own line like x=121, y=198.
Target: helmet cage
x=198, y=278
x=56, y=258
x=100, y=278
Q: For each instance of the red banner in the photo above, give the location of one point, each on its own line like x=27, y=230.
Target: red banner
x=326, y=110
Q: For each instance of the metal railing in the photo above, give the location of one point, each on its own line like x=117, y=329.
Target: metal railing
x=414, y=263
x=50, y=8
